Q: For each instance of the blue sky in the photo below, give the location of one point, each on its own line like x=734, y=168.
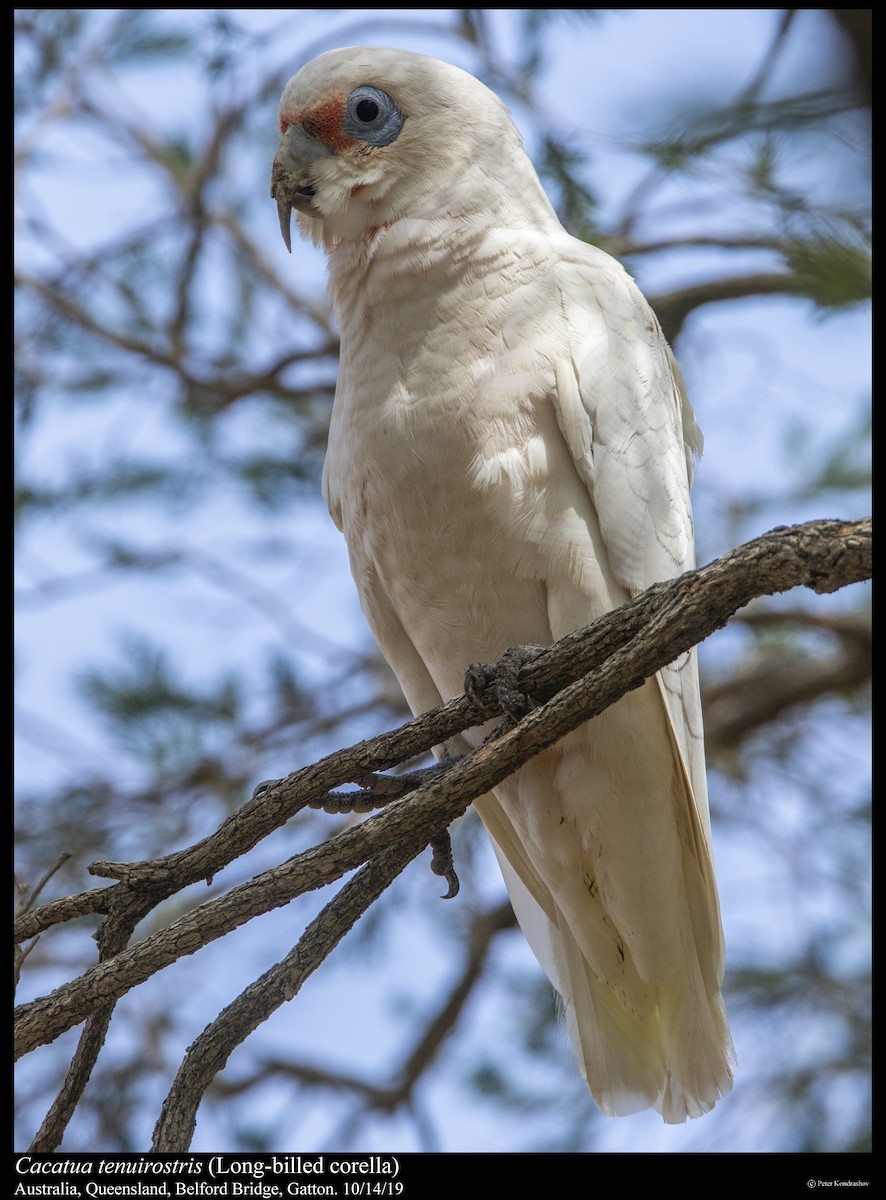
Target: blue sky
x=773, y=383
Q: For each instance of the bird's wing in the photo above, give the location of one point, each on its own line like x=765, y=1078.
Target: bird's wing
x=623, y=410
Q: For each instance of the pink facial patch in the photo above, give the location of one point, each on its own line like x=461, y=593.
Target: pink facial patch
x=322, y=121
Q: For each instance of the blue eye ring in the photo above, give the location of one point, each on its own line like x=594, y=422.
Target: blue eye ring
x=371, y=116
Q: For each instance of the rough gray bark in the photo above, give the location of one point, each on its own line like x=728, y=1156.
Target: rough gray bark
x=571, y=682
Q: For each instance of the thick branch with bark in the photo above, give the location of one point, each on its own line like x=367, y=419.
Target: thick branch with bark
x=574, y=680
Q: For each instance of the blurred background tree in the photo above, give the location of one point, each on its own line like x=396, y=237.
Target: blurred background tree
x=186, y=622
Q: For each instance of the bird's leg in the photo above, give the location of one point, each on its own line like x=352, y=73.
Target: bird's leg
x=442, y=864
x=381, y=790
x=503, y=676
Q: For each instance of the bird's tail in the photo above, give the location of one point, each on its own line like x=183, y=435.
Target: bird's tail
x=662, y=1044
x=676, y=1058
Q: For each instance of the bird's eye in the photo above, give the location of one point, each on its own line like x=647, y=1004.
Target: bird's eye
x=372, y=116
x=367, y=110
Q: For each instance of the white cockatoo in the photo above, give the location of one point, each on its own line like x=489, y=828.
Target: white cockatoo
x=509, y=458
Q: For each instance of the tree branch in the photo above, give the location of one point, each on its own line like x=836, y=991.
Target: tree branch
x=735, y=708
x=575, y=679
x=208, y=1055
x=673, y=308
x=484, y=928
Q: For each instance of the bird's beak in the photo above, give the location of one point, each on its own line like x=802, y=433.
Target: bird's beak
x=293, y=178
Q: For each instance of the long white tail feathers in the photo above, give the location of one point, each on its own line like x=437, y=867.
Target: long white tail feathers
x=676, y=1056
x=677, y=1060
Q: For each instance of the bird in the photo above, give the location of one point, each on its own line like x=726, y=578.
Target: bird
x=510, y=456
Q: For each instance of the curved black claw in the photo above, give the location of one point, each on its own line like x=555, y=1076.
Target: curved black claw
x=503, y=676
x=264, y=786
x=442, y=864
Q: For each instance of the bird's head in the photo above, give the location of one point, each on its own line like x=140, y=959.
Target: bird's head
x=372, y=135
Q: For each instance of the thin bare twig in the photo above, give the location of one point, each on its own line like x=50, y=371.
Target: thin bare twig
x=603, y=662
x=208, y=1055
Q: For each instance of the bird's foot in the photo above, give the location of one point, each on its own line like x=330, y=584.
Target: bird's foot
x=442, y=864
x=503, y=677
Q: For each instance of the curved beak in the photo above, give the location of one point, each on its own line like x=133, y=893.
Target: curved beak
x=293, y=177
